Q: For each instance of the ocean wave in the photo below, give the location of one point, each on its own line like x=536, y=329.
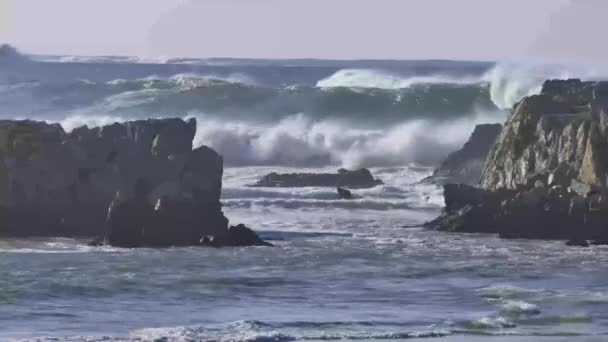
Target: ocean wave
x=507, y=82
x=300, y=140
x=256, y=331
x=492, y=323
x=367, y=78
x=506, y=291
x=518, y=308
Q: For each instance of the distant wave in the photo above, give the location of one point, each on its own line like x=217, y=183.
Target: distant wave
x=351, y=117
x=240, y=96
x=366, y=78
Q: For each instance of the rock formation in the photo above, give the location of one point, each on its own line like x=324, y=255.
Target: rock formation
x=344, y=193
x=547, y=174
x=465, y=165
x=361, y=178
x=137, y=183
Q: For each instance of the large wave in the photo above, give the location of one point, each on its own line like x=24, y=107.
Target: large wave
x=349, y=117
x=299, y=140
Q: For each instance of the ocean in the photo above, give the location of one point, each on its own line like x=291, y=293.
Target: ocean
x=342, y=270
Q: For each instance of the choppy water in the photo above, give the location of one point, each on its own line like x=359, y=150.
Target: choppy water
x=342, y=270
x=347, y=270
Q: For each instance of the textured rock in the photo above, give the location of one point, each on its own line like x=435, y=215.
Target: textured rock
x=137, y=183
x=546, y=176
x=361, y=178
x=344, y=193
x=466, y=164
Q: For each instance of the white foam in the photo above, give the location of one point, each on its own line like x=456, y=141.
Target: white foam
x=368, y=78
x=517, y=307
x=299, y=140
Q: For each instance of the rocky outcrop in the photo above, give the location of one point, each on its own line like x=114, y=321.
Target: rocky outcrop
x=465, y=165
x=236, y=236
x=546, y=176
x=344, y=193
x=361, y=178
x=138, y=183
x=537, y=213
x=558, y=133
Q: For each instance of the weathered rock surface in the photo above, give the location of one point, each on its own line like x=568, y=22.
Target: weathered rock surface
x=137, y=183
x=361, y=178
x=465, y=165
x=546, y=176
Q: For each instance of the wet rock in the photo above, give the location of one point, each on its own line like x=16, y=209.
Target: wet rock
x=344, y=193
x=361, y=178
x=238, y=236
x=577, y=243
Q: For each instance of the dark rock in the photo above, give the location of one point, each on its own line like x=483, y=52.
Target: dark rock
x=238, y=236
x=546, y=176
x=136, y=183
x=98, y=242
x=577, y=243
x=465, y=165
x=344, y=193
x=361, y=178
x=127, y=220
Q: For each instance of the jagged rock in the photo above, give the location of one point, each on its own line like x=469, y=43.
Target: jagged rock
x=344, y=193
x=238, y=236
x=546, y=176
x=361, y=178
x=174, y=138
x=466, y=164
x=136, y=183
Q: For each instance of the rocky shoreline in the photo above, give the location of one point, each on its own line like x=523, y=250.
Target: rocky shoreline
x=546, y=176
x=133, y=184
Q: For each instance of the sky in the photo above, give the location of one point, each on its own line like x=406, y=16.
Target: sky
x=340, y=29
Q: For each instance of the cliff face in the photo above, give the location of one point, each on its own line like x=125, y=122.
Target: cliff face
x=58, y=183
x=554, y=137
x=547, y=174
x=465, y=165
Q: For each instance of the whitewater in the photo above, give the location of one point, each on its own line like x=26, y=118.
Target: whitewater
x=342, y=270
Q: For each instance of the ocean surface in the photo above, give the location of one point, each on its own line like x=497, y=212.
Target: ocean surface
x=342, y=270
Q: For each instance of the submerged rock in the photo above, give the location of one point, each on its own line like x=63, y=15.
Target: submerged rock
x=236, y=236
x=344, y=193
x=361, y=178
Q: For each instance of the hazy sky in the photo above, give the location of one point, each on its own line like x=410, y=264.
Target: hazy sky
x=456, y=29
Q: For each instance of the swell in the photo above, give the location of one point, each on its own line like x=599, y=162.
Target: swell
x=239, y=99
x=349, y=117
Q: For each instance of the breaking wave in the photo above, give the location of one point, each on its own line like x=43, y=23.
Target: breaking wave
x=299, y=140
x=349, y=117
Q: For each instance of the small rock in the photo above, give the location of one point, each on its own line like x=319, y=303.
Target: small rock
x=577, y=243
x=344, y=193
